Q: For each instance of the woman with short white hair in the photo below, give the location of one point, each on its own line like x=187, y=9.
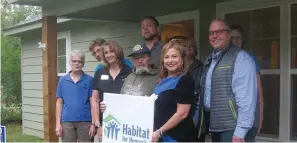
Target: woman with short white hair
x=73, y=109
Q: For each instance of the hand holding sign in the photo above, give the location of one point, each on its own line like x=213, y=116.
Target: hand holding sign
x=121, y=120
x=102, y=106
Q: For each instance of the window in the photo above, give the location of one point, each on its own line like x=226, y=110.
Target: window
x=262, y=38
x=63, y=51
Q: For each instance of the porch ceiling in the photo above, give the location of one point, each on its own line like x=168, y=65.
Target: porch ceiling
x=134, y=10
x=116, y=10
x=40, y=2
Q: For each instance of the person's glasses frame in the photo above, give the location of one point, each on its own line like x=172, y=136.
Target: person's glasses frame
x=218, y=32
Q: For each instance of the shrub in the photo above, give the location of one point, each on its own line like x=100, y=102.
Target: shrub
x=11, y=115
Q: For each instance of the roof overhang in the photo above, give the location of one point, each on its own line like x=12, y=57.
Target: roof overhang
x=27, y=27
x=62, y=7
x=26, y=2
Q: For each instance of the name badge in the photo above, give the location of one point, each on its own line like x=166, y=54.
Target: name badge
x=104, y=77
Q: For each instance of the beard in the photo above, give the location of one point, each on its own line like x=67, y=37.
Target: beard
x=150, y=37
x=140, y=70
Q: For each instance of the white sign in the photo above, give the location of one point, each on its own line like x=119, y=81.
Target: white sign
x=127, y=118
x=3, y=134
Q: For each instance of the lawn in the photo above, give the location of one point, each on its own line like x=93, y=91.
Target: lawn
x=14, y=134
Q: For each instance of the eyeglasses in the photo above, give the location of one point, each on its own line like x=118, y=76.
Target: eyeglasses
x=76, y=61
x=218, y=32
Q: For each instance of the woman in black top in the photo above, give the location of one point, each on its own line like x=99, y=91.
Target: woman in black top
x=174, y=105
x=109, y=79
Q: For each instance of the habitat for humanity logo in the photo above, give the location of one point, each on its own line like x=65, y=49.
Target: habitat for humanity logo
x=112, y=127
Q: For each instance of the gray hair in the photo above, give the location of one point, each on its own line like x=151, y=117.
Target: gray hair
x=221, y=20
x=78, y=53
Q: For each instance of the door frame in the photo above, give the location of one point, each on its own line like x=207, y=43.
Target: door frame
x=187, y=15
x=285, y=55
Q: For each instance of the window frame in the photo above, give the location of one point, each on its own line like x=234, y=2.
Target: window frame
x=65, y=35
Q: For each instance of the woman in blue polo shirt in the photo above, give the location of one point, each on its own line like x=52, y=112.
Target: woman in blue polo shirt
x=109, y=79
x=175, y=101
x=73, y=109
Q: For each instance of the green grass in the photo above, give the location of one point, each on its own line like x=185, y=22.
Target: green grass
x=14, y=134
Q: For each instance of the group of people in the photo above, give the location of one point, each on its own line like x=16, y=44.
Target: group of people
x=221, y=97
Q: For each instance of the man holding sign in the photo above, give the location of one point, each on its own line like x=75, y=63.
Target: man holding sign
x=142, y=80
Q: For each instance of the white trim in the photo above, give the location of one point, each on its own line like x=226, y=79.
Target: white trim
x=270, y=71
x=267, y=139
x=243, y=5
x=285, y=77
x=293, y=71
x=188, y=15
x=66, y=35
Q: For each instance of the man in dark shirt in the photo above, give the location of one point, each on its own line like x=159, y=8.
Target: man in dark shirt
x=150, y=31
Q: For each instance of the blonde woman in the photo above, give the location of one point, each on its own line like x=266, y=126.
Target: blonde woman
x=109, y=79
x=175, y=104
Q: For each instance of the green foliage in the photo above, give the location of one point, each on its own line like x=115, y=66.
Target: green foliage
x=14, y=14
x=11, y=71
x=11, y=52
x=11, y=115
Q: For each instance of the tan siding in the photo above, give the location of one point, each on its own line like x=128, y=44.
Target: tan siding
x=106, y=31
x=36, y=61
x=32, y=85
x=89, y=57
x=90, y=73
x=30, y=42
x=33, y=132
x=90, y=66
x=33, y=117
x=124, y=42
x=32, y=53
x=32, y=109
x=32, y=69
x=32, y=77
x=33, y=101
x=33, y=125
x=32, y=93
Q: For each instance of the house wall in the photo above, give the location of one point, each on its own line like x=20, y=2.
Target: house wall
x=126, y=34
x=82, y=33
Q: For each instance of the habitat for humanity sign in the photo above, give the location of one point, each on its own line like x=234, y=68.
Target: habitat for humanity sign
x=127, y=118
x=3, y=134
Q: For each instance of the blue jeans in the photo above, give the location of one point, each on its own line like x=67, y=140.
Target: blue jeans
x=222, y=136
x=227, y=135
x=251, y=135
x=168, y=139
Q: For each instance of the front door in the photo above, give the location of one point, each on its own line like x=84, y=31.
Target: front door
x=183, y=28
x=180, y=24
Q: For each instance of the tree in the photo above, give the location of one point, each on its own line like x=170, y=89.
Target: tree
x=11, y=51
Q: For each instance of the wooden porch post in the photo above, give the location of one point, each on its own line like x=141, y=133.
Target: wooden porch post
x=49, y=58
